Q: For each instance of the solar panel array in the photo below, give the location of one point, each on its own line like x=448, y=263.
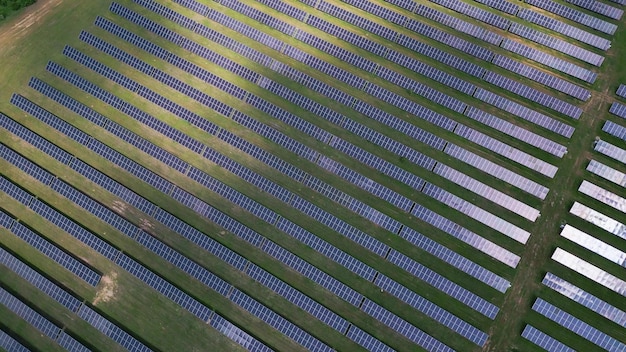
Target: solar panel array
x=346, y=174
x=594, y=229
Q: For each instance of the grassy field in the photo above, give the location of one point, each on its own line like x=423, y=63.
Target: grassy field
x=50, y=25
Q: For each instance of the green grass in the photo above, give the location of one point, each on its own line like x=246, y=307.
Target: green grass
x=515, y=305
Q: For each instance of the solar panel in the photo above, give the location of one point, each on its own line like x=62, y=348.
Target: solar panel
x=439, y=281
x=576, y=325
x=111, y=330
x=542, y=77
x=506, y=150
x=615, y=130
x=73, y=228
x=549, y=60
x=486, y=191
x=53, y=252
x=366, y=340
x=621, y=90
x=610, y=150
x=533, y=94
x=477, y=213
x=501, y=5
x=618, y=109
x=525, y=113
x=574, y=15
x=594, y=245
x=599, y=7
x=393, y=321
x=544, y=340
x=278, y=322
x=607, y=172
x=564, y=28
x=586, y=299
x=28, y=314
x=296, y=297
x=39, y=281
x=234, y=333
x=25, y=165
x=590, y=271
x=606, y=223
x=10, y=344
x=475, y=12
x=459, y=24
x=70, y=344
x=556, y=44
x=465, y=235
x=451, y=258
x=437, y=313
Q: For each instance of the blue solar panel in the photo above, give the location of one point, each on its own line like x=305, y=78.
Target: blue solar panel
x=35, y=139
x=432, y=310
x=401, y=326
x=113, y=187
x=162, y=286
x=278, y=322
x=323, y=279
x=440, y=282
x=296, y=297
x=70, y=344
x=74, y=229
x=578, y=326
x=618, y=109
x=45, y=116
x=10, y=344
x=366, y=340
x=111, y=330
x=28, y=314
x=615, y=130
x=544, y=340
x=55, y=253
x=325, y=248
x=26, y=165
x=36, y=279
x=203, y=240
x=237, y=335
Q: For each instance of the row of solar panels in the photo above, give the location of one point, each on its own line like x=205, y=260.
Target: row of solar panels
x=70, y=302
x=93, y=90
x=438, y=55
x=395, y=57
x=605, y=242
x=525, y=32
x=275, y=91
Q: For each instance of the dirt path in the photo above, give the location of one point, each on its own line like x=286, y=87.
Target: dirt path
x=20, y=25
